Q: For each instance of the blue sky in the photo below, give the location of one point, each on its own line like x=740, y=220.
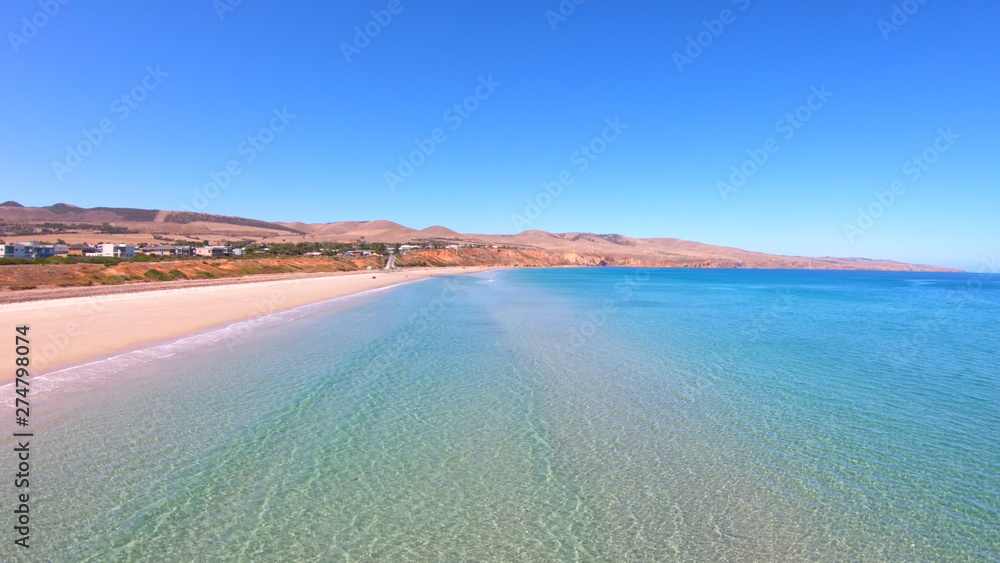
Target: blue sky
x=203, y=77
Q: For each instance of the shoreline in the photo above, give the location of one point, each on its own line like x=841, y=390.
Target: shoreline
x=75, y=330
x=51, y=380
x=11, y=297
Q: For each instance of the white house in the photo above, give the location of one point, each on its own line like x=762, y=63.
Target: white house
x=110, y=250
x=168, y=250
x=212, y=251
x=14, y=251
x=32, y=250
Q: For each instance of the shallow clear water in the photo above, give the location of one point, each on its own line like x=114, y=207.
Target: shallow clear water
x=571, y=414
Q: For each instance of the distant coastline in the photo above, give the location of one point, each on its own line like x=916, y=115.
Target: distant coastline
x=257, y=246
x=36, y=282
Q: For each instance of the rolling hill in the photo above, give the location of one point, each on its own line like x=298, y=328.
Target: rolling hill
x=534, y=247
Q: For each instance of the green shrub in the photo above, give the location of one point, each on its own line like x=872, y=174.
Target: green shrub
x=51, y=260
x=157, y=275
x=96, y=260
x=83, y=282
x=178, y=274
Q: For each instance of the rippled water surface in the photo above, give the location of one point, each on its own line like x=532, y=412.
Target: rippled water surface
x=545, y=415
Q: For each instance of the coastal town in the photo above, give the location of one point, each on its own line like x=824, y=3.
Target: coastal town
x=34, y=250
x=26, y=265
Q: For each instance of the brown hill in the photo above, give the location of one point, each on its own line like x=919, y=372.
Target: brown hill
x=374, y=230
x=109, y=224
x=63, y=218
x=437, y=231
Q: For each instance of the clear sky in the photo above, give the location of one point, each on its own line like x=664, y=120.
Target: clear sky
x=204, y=84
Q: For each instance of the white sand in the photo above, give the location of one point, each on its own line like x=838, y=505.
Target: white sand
x=73, y=330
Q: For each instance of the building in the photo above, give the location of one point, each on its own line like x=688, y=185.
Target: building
x=32, y=250
x=14, y=251
x=37, y=250
x=168, y=250
x=111, y=250
x=212, y=251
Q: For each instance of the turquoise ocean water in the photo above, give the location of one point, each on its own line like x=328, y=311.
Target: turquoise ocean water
x=544, y=415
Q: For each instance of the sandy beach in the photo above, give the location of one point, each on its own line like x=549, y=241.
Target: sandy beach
x=73, y=330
